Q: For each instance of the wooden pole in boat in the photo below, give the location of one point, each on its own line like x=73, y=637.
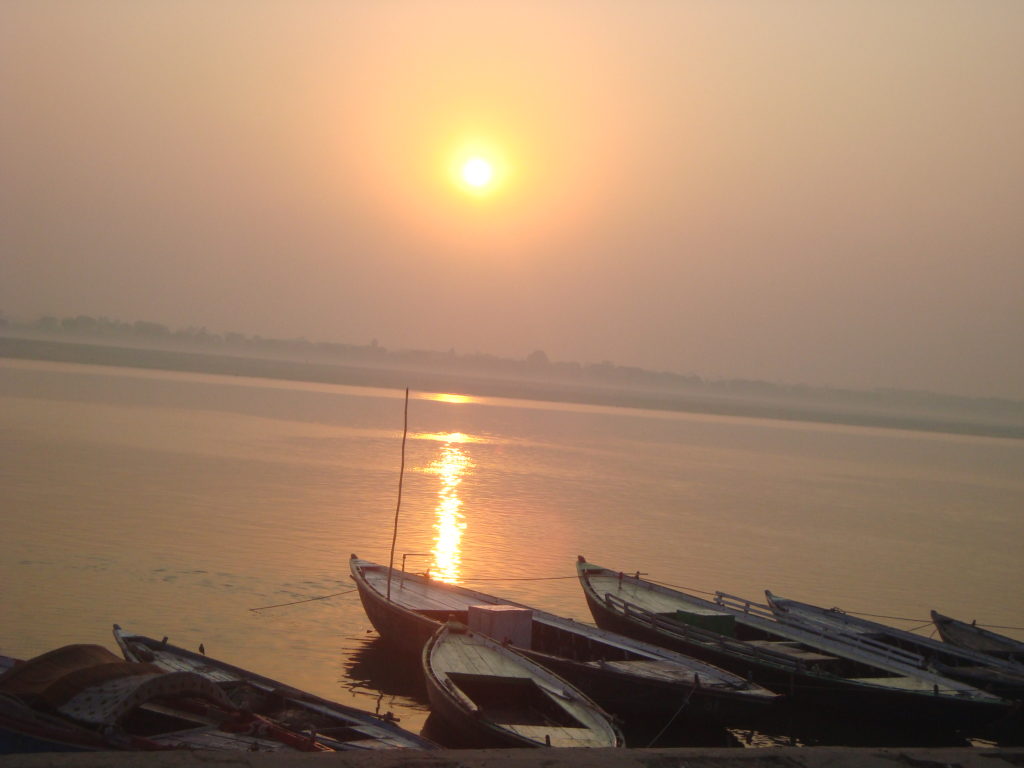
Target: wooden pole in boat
x=398, y=506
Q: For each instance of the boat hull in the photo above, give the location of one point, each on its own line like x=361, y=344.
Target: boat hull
x=340, y=726
x=630, y=696
x=405, y=630
x=1002, y=677
x=23, y=730
x=16, y=742
x=495, y=696
x=963, y=635
x=81, y=697
x=803, y=687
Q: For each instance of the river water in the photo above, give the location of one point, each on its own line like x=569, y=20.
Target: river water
x=177, y=503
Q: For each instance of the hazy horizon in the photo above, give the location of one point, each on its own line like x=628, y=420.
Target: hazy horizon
x=796, y=192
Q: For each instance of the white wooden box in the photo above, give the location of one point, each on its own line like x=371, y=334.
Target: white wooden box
x=503, y=622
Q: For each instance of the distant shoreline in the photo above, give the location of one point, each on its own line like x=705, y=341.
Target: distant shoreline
x=17, y=347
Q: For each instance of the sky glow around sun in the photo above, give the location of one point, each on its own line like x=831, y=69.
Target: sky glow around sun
x=667, y=186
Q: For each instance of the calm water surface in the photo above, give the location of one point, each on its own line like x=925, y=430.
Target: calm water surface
x=176, y=503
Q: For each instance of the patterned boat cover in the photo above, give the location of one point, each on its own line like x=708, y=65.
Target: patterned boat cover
x=91, y=685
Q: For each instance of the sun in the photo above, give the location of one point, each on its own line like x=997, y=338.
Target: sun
x=479, y=169
x=477, y=172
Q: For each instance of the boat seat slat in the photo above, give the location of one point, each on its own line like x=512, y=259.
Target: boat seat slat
x=792, y=649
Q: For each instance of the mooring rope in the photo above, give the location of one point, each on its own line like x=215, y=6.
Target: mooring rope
x=922, y=623
x=676, y=586
x=350, y=591
x=689, y=695
x=521, y=578
x=307, y=600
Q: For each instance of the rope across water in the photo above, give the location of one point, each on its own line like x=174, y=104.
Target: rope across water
x=921, y=622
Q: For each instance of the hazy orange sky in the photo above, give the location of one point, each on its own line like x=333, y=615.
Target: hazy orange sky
x=816, y=192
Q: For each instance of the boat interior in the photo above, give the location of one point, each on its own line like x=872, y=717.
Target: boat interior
x=513, y=700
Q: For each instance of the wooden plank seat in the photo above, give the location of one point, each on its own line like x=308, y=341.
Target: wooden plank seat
x=561, y=735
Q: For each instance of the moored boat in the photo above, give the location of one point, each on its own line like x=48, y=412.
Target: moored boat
x=85, y=698
x=978, y=638
x=814, y=670
x=628, y=677
x=498, y=697
x=340, y=726
x=1001, y=676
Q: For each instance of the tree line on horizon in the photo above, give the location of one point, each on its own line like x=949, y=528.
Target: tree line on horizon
x=536, y=365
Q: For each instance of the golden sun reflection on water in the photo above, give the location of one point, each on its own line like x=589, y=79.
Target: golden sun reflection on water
x=448, y=437
x=450, y=467
x=446, y=397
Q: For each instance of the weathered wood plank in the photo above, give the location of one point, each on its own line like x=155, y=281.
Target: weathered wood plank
x=561, y=736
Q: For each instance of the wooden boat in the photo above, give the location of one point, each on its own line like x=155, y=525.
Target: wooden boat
x=814, y=670
x=627, y=677
x=85, y=698
x=498, y=697
x=977, y=638
x=1001, y=676
x=339, y=726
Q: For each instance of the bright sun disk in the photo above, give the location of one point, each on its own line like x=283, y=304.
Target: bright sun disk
x=477, y=172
